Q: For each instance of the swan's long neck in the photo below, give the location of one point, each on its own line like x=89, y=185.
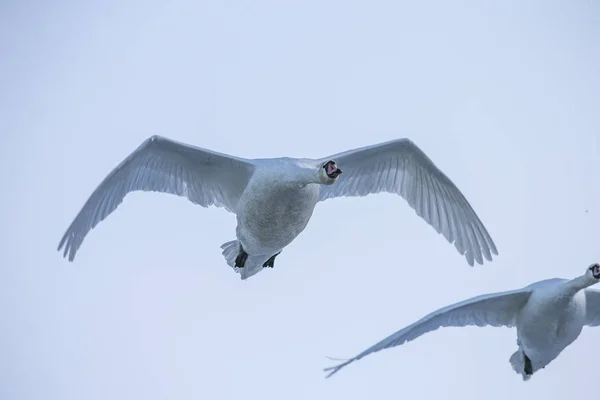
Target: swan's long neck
x=300, y=173
x=575, y=285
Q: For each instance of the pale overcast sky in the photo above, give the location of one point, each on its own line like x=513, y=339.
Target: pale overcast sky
x=503, y=96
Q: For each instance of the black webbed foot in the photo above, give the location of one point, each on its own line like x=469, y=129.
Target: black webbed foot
x=270, y=263
x=528, y=366
x=240, y=260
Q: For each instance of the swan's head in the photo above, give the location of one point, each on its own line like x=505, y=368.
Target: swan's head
x=594, y=271
x=329, y=172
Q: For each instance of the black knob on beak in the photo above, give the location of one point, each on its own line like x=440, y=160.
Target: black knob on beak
x=336, y=173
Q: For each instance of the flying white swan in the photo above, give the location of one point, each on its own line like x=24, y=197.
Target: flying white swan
x=274, y=198
x=549, y=315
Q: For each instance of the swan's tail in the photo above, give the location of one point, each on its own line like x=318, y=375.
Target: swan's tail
x=252, y=266
x=230, y=252
x=517, y=360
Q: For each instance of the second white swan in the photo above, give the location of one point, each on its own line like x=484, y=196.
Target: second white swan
x=549, y=315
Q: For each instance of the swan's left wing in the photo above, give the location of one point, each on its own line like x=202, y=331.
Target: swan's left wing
x=400, y=167
x=592, y=298
x=495, y=309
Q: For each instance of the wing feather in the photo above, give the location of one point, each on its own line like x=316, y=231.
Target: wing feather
x=400, y=167
x=495, y=309
x=593, y=307
x=162, y=165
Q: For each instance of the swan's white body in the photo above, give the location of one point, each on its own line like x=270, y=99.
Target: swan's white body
x=274, y=199
x=548, y=315
x=271, y=213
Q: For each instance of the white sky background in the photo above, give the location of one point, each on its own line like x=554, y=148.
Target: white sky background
x=503, y=97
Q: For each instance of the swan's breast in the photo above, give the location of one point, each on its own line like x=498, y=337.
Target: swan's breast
x=274, y=210
x=548, y=323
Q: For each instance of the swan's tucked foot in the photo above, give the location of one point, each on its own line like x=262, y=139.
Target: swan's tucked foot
x=528, y=367
x=270, y=263
x=240, y=260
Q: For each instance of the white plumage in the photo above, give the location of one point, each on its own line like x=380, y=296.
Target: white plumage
x=273, y=199
x=549, y=315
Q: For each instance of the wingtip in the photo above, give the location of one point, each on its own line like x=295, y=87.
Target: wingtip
x=329, y=374
x=68, y=252
x=334, y=369
x=488, y=254
x=470, y=260
x=480, y=260
x=62, y=242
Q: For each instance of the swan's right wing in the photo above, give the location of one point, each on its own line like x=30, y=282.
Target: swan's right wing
x=592, y=298
x=495, y=309
x=159, y=164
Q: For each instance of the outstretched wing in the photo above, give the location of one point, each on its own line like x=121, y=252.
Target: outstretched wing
x=400, y=167
x=592, y=298
x=162, y=165
x=495, y=309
